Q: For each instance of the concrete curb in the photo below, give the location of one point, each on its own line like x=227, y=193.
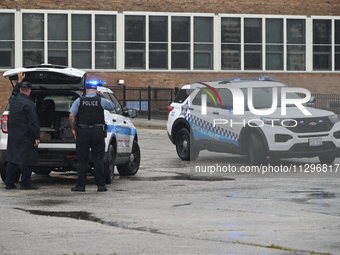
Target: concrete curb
x=153, y=123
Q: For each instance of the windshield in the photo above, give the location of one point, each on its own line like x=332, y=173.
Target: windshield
x=263, y=97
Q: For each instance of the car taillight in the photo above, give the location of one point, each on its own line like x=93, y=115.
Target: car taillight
x=170, y=108
x=4, y=123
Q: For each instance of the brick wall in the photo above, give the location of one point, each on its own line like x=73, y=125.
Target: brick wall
x=315, y=83
x=287, y=7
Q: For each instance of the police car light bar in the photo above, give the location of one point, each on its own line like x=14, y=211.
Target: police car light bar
x=262, y=78
x=96, y=82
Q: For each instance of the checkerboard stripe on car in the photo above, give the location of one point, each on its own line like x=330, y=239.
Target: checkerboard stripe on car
x=217, y=129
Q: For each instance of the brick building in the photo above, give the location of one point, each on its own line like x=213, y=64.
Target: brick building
x=168, y=43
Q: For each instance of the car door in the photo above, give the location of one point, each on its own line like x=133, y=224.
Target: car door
x=119, y=125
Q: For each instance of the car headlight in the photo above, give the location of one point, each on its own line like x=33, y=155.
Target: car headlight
x=334, y=118
x=279, y=122
x=271, y=121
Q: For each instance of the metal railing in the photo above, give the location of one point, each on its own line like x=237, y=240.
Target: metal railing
x=150, y=102
x=329, y=102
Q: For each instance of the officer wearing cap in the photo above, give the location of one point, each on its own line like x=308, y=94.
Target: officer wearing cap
x=87, y=123
x=23, y=136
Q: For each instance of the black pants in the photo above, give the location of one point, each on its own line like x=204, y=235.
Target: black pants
x=12, y=172
x=88, y=138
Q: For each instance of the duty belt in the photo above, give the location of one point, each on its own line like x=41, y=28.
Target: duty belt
x=91, y=126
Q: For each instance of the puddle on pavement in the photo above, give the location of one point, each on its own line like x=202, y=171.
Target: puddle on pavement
x=86, y=216
x=314, y=194
x=318, y=196
x=176, y=177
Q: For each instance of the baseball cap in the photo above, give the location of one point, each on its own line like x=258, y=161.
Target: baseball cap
x=26, y=84
x=91, y=86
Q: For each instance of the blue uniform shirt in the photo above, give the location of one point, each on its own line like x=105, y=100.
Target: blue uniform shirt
x=106, y=104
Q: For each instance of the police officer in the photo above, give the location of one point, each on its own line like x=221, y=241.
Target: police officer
x=23, y=136
x=87, y=123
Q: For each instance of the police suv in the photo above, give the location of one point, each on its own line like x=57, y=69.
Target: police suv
x=54, y=90
x=275, y=122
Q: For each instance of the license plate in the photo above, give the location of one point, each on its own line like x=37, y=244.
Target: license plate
x=315, y=141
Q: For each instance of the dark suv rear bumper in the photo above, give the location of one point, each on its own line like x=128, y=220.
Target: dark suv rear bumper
x=65, y=159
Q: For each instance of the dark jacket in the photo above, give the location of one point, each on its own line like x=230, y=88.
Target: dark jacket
x=23, y=130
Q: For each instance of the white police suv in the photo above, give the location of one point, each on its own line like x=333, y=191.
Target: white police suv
x=255, y=117
x=54, y=90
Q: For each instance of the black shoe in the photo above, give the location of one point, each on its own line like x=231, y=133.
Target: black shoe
x=30, y=187
x=11, y=186
x=78, y=189
x=101, y=189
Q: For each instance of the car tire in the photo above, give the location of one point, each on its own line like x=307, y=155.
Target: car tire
x=184, y=147
x=256, y=150
x=131, y=167
x=326, y=159
x=110, y=164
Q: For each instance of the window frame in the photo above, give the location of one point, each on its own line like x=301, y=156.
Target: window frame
x=216, y=62
x=332, y=44
x=69, y=13
x=16, y=40
x=264, y=19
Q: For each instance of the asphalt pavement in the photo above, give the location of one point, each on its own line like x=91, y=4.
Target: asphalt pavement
x=162, y=210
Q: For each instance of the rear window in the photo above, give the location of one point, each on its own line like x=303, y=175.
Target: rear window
x=61, y=102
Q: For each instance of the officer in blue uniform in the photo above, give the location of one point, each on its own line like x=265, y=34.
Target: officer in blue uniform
x=87, y=123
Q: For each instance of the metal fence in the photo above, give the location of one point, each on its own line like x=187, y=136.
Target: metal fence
x=150, y=102
x=153, y=102
x=329, y=102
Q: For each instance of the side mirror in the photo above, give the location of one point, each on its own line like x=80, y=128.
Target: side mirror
x=311, y=101
x=132, y=113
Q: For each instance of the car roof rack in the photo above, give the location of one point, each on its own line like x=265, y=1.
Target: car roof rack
x=261, y=78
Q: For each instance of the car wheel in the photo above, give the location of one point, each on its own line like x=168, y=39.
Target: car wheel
x=256, y=150
x=110, y=164
x=185, y=149
x=3, y=166
x=131, y=167
x=327, y=159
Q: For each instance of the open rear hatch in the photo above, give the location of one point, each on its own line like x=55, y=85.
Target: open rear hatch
x=48, y=76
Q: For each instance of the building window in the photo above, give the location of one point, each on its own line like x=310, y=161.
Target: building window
x=6, y=40
x=322, y=45
x=252, y=44
x=135, y=42
x=81, y=41
x=274, y=44
x=57, y=39
x=158, y=42
x=296, y=45
x=337, y=45
x=105, y=39
x=180, y=43
x=203, y=43
x=33, y=38
x=230, y=43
